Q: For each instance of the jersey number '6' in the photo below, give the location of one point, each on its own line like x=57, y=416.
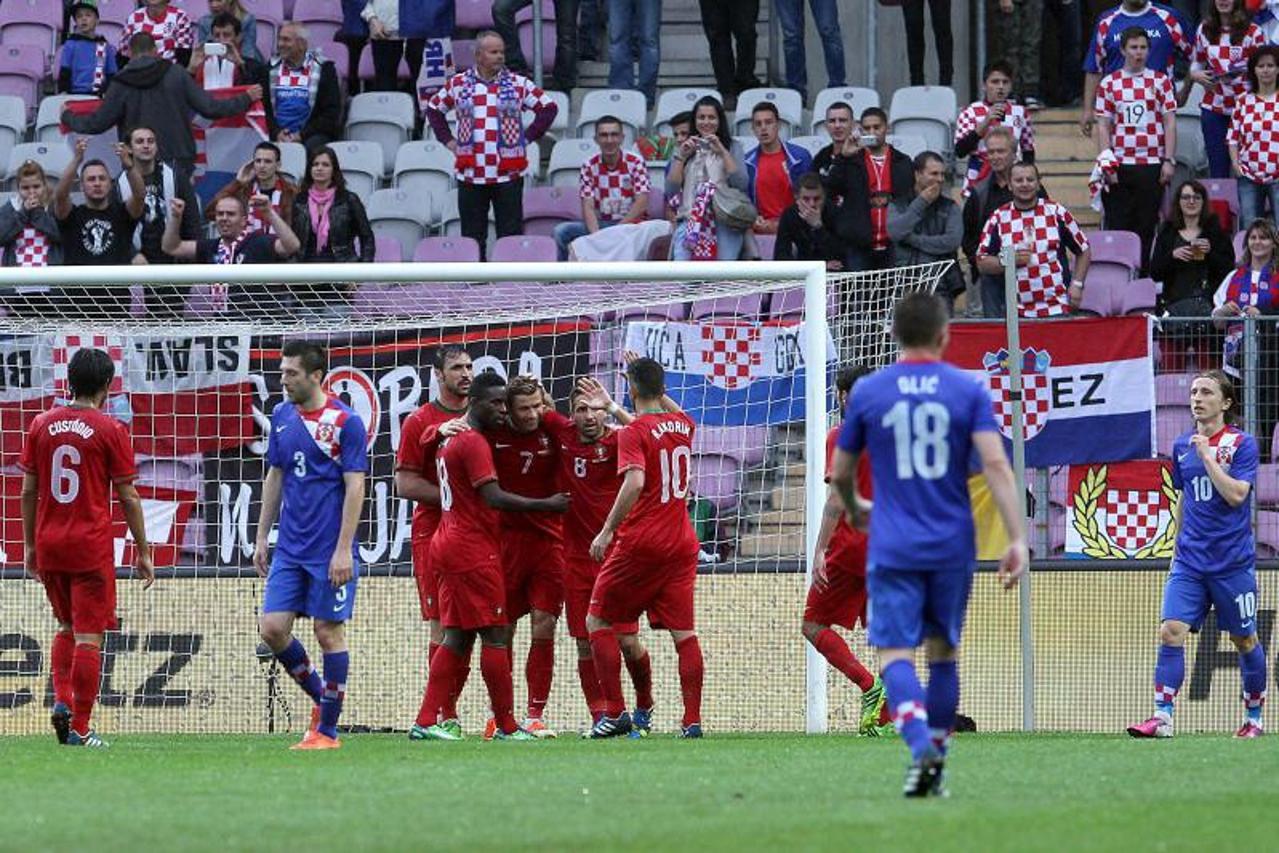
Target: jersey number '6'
x=920, y=437
x=65, y=482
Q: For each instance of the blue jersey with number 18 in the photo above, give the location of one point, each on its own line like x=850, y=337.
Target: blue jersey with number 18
x=1215, y=537
x=917, y=419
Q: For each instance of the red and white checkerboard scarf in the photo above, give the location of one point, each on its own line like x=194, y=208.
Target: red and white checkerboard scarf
x=32, y=248
x=226, y=251
x=699, y=228
x=99, y=66
x=512, y=157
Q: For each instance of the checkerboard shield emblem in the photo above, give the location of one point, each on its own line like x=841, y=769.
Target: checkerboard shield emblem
x=731, y=354
x=1036, y=391
x=1132, y=516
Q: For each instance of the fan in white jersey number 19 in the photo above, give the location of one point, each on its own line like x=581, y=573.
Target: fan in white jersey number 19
x=677, y=467
x=920, y=435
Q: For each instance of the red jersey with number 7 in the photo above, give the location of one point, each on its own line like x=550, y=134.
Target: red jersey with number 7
x=76, y=455
x=660, y=445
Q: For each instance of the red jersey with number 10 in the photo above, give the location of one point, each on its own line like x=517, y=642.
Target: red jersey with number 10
x=660, y=445
x=76, y=455
x=467, y=536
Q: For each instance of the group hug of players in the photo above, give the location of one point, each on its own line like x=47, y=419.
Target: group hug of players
x=521, y=510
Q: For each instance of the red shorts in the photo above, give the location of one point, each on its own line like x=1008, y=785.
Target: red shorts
x=428, y=580
x=533, y=569
x=473, y=599
x=843, y=600
x=579, y=581
x=630, y=584
x=83, y=600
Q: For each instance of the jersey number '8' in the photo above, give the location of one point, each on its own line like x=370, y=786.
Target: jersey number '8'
x=920, y=437
x=446, y=491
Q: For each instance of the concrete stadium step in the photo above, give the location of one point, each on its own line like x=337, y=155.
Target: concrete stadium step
x=777, y=542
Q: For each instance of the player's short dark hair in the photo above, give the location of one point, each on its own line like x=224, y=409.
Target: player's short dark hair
x=1133, y=33
x=685, y=117
x=809, y=181
x=874, y=112
x=919, y=320
x=1227, y=386
x=523, y=386
x=226, y=19
x=647, y=378
x=999, y=66
x=842, y=105
x=574, y=395
x=609, y=119
x=445, y=354
x=141, y=44
x=766, y=107
x=311, y=354
x=848, y=376
x=487, y=381
x=89, y=373
x=264, y=145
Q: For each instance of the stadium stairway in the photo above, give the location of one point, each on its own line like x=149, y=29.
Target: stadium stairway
x=1065, y=161
x=772, y=511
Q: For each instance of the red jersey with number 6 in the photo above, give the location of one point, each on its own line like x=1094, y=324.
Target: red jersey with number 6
x=467, y=535
x=76, y=455
x=660, y=445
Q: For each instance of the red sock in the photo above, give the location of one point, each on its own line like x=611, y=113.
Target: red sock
x=459, y=682
x=835, y=650
x=538, y=671
x=690, y=678
x=86, y=671
x=607, y=655
x=445, y=665
x=60, y=657
x=590, y=686
x=495, y=665
x=641, y=670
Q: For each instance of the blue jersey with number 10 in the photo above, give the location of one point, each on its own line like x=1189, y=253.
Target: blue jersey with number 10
x=314, y=450
x=1215, y=537
x=916, y=419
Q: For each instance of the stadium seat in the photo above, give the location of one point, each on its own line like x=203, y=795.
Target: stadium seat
x=1190, y=140
x=911, y=144
x=860, y=99
x=673, y=312
x=812, y=144
x=524, y=30
x=1139, y=297
x=1059, y=485
x=292, y=160
x=459, y=250
x=765, y=244
x=525, y=247
x=625, y=104
x=322, y=18
x=567, y=157
x=270, y=15
x=672, y=102
x=382, y=117
x=716, y=478
x=13, y=125
x=1173, y=389
x=400, y=215
x=361, y=163
x=660, y=249
x=560, y=126
x=789, y=103
x=338, y=54
x=546, y=207
x=1267, y=534
x=748, y=143
x=1268, y=484
x=533, y=171
x=463, y=54
x=389, y=300
x=112, y=15
x=451, y=221
x=1223, y=196
x=34, y=22
x=22, y=72
x=657, y=203
x=366, y=70
x=425, y=171
x=1170, y=422
x=746, y=444
x=49, y=117
x=1240, y=243
x=387, y=250
x=745, y=307
x=788, y=305
x=52, y=158
x=474, y=15
x=927, y=111
x=1121, y=248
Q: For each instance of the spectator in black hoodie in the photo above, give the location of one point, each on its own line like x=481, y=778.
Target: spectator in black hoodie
x=804, y=232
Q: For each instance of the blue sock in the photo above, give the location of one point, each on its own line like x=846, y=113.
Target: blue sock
x=943, y=700
x=295, y=661
x=1170, y=671
x=1252, y=669
x=335, y=666
x=906, y=699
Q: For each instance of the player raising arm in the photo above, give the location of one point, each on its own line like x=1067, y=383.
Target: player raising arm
x=465, y=553
x=921, y=420
x=1214, y=559
x=72, y=456
x=317, y=457
x=653, y=564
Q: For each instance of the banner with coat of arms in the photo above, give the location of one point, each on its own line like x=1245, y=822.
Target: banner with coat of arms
x=1088, y=386
x=1121, y=511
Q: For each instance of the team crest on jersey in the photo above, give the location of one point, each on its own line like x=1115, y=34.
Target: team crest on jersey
x=1036, y=392
x=601, y=452
x=1225, y=455
x=324, y=433
x=1121, y=511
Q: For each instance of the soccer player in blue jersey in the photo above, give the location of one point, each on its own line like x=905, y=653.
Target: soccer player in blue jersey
x=921, y=421
x=1214, y=466
x=317, y=460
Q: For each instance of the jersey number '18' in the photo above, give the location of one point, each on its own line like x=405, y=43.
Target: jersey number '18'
x=920, y=435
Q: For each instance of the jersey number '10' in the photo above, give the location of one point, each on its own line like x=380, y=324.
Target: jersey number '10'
x=677, y=467
x=920, y=437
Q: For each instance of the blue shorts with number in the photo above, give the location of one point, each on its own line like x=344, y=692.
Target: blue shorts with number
x=908, y=605
x=1189, y=593
x=298, y=589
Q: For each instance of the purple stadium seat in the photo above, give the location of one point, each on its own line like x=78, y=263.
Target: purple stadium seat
x=1138, y=297
x=1173, y=389
x=463, y=54
x=366, y=68
x=745, y=307
x=270, y=15
x=1058, y=485
x=524, y=28
x=389, y=250
x=35, y=22
x=716, y=478
x=1170, y=422
x=744, y=443
x=546, y=207
x=674, y=312
x=1224, y=191
x=789, y=304
x=1268, y=484
x=1103, y=293
x=657, y=204
x=382, y=300
x=765, y=244
x=21, y=72
x=1057, y=531
x=1116, y=247
x=525, y=247
x=474, y=15
x=322, y=17
x=659, y=249
x=338, y=54
x=1267, y=534
x=447, y=250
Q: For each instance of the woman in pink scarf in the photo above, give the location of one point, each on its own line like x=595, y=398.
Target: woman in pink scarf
x=331, y=225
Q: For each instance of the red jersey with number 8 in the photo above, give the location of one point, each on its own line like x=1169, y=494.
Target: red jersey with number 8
x=76, y=455
x=467, y=535
x=660, y=445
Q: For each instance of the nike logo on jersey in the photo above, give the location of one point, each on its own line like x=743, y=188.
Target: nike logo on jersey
x=1182, y=457
x=280, y=429
x=501, y=446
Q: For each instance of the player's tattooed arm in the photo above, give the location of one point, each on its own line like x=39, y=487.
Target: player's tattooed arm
x=497, y=498
x=266, y=518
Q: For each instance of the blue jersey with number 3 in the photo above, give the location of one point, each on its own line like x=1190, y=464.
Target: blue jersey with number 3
x=1215, y=537
x=917, y=419
x=314, y=450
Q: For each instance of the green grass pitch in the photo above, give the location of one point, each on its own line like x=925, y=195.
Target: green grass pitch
x=762, y=792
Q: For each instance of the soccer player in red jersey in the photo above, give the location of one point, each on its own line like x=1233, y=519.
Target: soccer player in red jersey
x=588, y=472
x=465, y=553
x=527, y=461
x=838, y=592
x=72, y=457
x=415, y=480
x=653, y=565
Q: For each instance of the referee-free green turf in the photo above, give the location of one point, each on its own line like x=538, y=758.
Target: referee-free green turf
x=762, y=792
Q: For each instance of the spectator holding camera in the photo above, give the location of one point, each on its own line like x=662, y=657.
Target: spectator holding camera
x=248, y=27
x=705, y=161
x=869, y=174
x=221, y=62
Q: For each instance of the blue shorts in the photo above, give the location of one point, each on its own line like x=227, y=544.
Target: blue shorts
x=909, y=605
x=1188, y=593
x=296, y=589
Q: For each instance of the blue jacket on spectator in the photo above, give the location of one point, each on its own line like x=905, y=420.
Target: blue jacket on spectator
x=79, y=59
x=798, y=163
